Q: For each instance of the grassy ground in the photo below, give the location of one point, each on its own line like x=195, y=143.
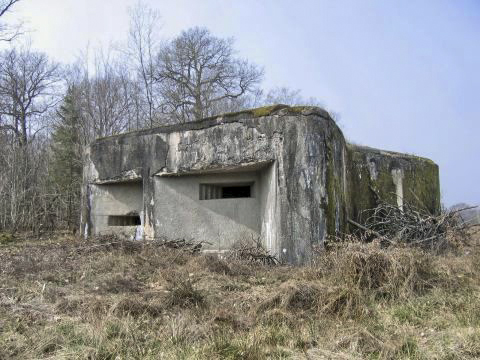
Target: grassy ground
x=66, y=299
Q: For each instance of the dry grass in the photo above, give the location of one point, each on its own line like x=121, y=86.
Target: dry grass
x=66, y=299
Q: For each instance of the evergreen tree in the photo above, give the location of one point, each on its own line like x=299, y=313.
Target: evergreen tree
x=67, y=158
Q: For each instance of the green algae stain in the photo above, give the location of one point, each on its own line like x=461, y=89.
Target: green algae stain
x=335, y=188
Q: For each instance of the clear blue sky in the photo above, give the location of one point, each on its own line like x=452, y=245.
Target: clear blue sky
x=403, y=75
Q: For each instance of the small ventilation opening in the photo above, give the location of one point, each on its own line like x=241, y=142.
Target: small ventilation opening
x=225, y=191
x=124, y=220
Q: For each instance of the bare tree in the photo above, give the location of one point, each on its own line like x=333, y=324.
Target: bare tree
x=287, y=96
x=8, y=32
x=104, y=96
x=28, y=89
x=142, y=46
x=25, y=199
x=197, y=70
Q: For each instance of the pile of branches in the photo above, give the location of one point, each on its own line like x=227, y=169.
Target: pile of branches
x=188, y=246
x=112, y=241
x=253, y=252
x=410, y=225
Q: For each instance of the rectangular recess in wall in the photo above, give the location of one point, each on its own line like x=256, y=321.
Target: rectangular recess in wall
x=225, y=191
x=124, y=220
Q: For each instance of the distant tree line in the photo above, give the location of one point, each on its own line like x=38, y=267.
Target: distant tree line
x=49, y=111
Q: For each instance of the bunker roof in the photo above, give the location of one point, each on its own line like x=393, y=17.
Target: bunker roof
x=278, y=109
x=372, y=151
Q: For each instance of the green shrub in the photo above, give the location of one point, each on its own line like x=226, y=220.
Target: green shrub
x=6, y=238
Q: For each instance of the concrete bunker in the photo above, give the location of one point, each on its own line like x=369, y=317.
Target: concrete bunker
x=282, y=175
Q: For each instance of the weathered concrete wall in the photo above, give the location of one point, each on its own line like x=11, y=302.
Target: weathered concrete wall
x=312, y=175
x=307, y=180
x=178, y=210
x=394, y=177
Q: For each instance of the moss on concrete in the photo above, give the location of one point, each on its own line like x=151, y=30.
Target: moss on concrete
x=360, y=194
x=273, y=109
x=420, y=182
x=265, y=110
x=335, y=209
x=421, y=186
x=330, y=187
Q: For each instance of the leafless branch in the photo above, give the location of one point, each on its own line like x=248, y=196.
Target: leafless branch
x=8, y=32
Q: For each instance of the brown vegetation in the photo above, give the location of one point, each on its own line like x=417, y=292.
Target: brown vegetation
x=65, y=298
